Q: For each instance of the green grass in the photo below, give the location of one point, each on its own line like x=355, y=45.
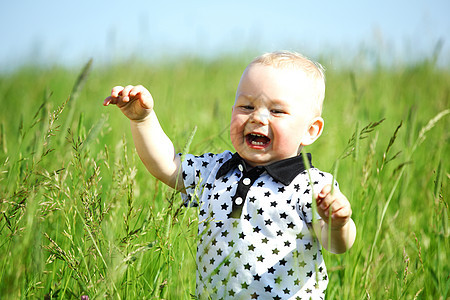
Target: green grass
x=79, y=215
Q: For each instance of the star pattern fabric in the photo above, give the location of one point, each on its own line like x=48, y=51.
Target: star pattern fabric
x=255, y=234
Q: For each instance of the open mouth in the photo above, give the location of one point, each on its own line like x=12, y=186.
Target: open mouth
x=257, y=140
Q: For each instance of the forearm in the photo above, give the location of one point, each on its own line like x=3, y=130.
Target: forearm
x=156, y=150
x=337, y=240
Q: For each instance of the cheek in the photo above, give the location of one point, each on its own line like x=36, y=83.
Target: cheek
x=288, y=134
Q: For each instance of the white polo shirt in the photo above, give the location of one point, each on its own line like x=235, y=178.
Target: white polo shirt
x=255, y=227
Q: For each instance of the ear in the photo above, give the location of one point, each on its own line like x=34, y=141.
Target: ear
x=313, y=132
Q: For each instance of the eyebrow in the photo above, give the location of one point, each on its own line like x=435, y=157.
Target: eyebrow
x=262, y=96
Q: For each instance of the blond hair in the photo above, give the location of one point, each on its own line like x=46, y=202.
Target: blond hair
x=294, y=60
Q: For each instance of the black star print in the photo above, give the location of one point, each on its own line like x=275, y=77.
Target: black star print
x=247, y=266
x=211, y=261
x=279, y=233
x=254, y=295
x=227, y=263
x=202, y=212
x=308, y=205
x=225, y=179
x=256, y=277
x=271, y=270
x=241, y=235
x=260, y=184
x=184, y=175
x=268, y=288
x=281, y=189
x=297, y=281
x=291, y=225
x=208, y=186
x=283, y=262
x=219, y=224
x=256, y=229
x=214, y=242
x=309, y=291
x=190, y=162
x=216, y=196
x=251, y=247
x=267, y=194
x=229, y=188
x=219, y=251
x=252, y=199
x=277, y=297
x=275, y=251
x=197, y=173
x=265, y=240
x=234, y=273
x=309, y=274
x=283, y=215
x=286, y=291
x=235, y=224
x=260, y=258
x=260, y=211
x=247, y=217
x=287, y=243
x=308, y=246
x=238, y=254
x=225, y=233
x=245, y=285
x=231, y=243
x=273, y=204
x=268, y=222
x=290, y=272
x=321, y=174
x=205, y=164
x=231, y=293
x=306, y=192
x=224, y=206
x=297, y=187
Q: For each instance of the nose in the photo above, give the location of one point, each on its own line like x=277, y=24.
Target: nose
x=261, y=116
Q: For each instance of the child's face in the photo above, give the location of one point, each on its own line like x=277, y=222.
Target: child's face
x=272, y=114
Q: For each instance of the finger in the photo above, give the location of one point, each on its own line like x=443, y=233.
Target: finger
x=326, y=204
x=116, y=91
x=107, y=101
x=325, y=191
x=143, y=95
x=136, y=90
x=126, y=93
x=342, y=213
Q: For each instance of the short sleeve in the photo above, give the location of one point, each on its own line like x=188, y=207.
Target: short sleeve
x=318, y=180
x=195, y=172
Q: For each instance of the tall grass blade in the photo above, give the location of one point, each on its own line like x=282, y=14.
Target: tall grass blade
x=73, y=98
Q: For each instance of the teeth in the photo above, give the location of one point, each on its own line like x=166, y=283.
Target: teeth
x=257, y=143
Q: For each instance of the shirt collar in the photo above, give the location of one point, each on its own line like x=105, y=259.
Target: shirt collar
x=283, y=171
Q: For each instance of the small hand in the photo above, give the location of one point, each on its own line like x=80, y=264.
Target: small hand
x=336, y=204
x=135, y=102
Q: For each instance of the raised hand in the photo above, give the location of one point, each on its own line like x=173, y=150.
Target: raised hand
x=135, y=102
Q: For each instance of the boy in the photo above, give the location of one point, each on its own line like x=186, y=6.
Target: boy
x=257, y=235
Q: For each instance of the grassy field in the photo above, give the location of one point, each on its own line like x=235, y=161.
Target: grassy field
x=79, y=214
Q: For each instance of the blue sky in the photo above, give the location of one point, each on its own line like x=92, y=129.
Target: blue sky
x=71, y=32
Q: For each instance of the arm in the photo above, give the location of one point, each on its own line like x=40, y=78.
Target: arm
x=153, y=146
x=336, y=234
